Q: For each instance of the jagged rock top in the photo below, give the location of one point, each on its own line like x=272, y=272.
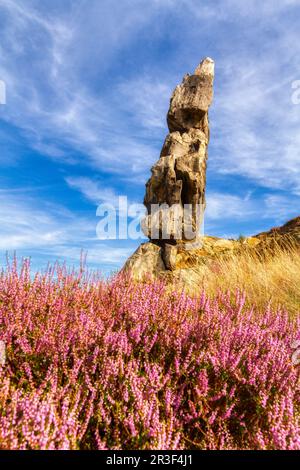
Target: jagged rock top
x=206, y=67
x=190, y=101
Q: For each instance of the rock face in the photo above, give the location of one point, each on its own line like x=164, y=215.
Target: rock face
x=175, y=193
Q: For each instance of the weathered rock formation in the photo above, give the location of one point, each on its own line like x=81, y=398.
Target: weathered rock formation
x=175, y=252
x=175, y=193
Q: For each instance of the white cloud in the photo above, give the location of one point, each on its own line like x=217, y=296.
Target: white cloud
x=255, y=126
x=99, y=255
x=93, y=191
x=147, y=98
x=96, y=192
x=229, y=208
x=48, y=230
x=225, y=9
x=49, y=97
x=24, y=224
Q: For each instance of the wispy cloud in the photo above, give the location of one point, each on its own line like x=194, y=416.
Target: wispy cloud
x=54, y=104
x=93, y=191
x=229, y=206
x=147, y=98
x=231, y=209
x=253, y=118
x=25, y=224
x=47, y=230
x=256, y=128
x=225, y=9
x=255, y=125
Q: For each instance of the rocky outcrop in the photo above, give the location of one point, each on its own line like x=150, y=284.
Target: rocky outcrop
x=189, y=267
x=175, y=193
x=175, y=251
x=148, y=261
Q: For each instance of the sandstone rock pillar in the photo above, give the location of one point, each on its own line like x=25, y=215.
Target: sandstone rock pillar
x=175, y=192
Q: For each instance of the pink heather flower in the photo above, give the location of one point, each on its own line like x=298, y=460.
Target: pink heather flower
x=202, y=386
x=116, y=365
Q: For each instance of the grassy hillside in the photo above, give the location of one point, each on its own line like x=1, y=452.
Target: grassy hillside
x=271, y=274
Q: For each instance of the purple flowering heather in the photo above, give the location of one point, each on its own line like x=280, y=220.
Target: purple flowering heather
x=117, y=365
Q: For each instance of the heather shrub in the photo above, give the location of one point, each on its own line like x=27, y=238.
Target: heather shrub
x=116, y=365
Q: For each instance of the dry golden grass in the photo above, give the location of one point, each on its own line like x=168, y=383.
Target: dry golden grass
x=272, y=275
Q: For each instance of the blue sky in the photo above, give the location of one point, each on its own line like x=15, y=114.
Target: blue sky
x=88, y=84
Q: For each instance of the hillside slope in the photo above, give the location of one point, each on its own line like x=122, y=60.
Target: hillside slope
x=267, y=265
